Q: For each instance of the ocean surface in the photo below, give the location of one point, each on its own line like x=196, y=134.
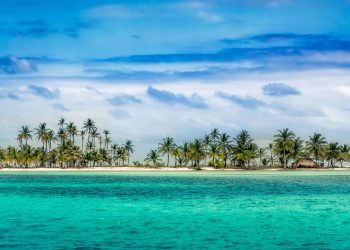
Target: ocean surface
x=197, y=210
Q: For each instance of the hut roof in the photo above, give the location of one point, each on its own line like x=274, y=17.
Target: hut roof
x=304, y=163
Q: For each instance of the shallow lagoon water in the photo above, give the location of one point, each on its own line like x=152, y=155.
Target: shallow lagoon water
x=206, y=210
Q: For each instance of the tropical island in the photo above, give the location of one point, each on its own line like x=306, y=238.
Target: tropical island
x=89, y=147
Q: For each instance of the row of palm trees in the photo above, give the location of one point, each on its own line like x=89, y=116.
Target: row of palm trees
x=88, y=147
x=219, y=150
x=63, y=149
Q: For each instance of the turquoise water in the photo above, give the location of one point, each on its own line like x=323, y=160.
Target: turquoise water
x=242, y=210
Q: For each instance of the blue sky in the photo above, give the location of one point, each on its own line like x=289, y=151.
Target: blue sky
x=148, y=69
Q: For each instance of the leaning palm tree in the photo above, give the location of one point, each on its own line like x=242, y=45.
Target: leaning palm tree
x=315, y=146
x=166, y=146
x=129, y=146
x=284, y=143
x=154, y=157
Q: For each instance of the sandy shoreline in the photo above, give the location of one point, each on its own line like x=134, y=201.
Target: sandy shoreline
x=143, y=169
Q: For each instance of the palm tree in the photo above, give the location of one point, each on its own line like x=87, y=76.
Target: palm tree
x=153, y=156
x=185, y=150
x=61, y=122
x=333, y=153
x=344, y=154
x=90, y=146
x=244, y=150
x=207, y=141
x=114, y=148
x=106, y=133
x=176, y=153
x=316, y=145
x=214, y=134
x=166, y=146
x=107, y=142
x=284, y=142
x=72, y=131
x=224, y=144
x=297, y=149
x=243, y=139
x=11, y=156
x=25, y=134
x=244, y=157
x=261, y=154
x=213, y=153
x=89, y=125
x=41, y=133
x=129, y=148
x=121, y=155
x=100, y=141
x=82, y=134
x=270, y=148
x=94, y=134
x=50, y=138
x=197, y=152
x=62, y=135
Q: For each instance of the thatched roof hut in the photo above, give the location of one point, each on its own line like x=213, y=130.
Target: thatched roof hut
x=304, y=163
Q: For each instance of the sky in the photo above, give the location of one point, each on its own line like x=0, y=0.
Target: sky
x=149, y=69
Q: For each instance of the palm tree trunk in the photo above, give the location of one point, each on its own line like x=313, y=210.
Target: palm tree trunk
x=128, y=157
x=168, y=160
